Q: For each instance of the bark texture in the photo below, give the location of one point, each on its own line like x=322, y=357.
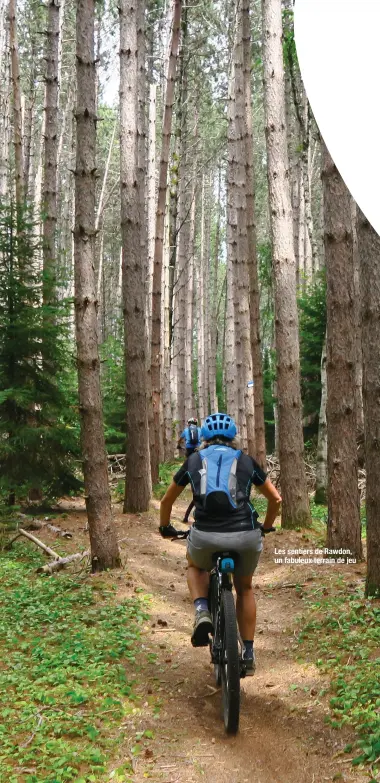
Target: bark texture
x=295, y=506
x=132, y=182
x=369, y=250
x=321, y=470
x=17, y=113
x=254, y=303
x=156, y=348
x=51, y=150
x=104, y=547
x=343, y=526
x=237, y=234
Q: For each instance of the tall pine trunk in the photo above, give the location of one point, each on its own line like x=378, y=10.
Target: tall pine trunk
x=132, y=182
x=295, y=501
x=151, y=205
x=238, y=234
x=50, y=151
x=254, y=303
x=214, y=305
x=156, y=348
x=104, y=547
x=189, y=393
x=321, y=469
x=343, y=525
x=17, y=113
x=369, y=250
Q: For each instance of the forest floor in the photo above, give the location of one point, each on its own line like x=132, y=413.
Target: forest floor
x=283, y=735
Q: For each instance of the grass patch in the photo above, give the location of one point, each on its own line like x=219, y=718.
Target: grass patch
x=167, y=471
x=342, y=631
x=68, y=661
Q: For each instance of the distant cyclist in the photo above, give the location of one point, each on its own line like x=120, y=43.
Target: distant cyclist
x=221, y=477
x=190, y=437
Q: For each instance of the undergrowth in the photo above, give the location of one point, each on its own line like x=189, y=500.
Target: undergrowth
x=167, y=471
x=68, y=662
x=342, y=630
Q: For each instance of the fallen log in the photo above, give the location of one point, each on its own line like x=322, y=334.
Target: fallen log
x=22, y=532
x=38, y=525
x=61, y=562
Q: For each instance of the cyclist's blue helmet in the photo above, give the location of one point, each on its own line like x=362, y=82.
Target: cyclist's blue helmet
x=218, y=424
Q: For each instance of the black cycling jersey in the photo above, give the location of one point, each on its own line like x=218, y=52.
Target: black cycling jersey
x=244, y=517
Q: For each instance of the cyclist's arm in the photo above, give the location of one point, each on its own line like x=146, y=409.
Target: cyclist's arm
x=166, y=505
x=274, y=501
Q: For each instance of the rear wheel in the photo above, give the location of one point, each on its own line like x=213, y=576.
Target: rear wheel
x=230, y=663
x=216, y=642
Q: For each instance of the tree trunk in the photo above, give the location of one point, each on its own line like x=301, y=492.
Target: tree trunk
x=151, y=207
x=369, y=250
x=238, y=234
x=295, y=505
x=5, y=124
x=206, y=289
x=321, y=470
x=17, y=114
x=358, y=340
x=156, y=350
x=214, y=309
x=343, y=526
x=132, y=180
x=50, y=152
x=168, y=443
x=254, y=304
x=200, y=293
x=189, y=393
x=29, y=121
x=104, y=547
x=229, y=362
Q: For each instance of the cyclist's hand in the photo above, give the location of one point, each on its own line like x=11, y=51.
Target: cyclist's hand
x=168, y=531
x=265, y=530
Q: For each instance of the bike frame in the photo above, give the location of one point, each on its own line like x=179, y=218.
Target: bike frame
x=224, y=581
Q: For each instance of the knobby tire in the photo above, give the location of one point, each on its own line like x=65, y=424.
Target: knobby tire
x=230, y=669
x=214, y=606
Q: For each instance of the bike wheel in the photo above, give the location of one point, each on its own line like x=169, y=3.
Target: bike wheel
x=230, y=668
x=216, y=640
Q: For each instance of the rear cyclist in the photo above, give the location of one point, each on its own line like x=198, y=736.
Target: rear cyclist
x=191, y=437
x=221, y=477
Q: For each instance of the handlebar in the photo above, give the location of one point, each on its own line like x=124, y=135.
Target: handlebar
x=265, y=530
x=181, y=534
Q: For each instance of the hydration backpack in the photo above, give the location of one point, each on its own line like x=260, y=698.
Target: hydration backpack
x=218, y=488
x=193, y=435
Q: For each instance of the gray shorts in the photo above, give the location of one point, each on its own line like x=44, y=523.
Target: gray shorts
x=201, y=545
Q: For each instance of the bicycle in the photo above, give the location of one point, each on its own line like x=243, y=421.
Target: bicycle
x=227, y=658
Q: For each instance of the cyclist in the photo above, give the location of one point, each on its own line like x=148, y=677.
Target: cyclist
x=191, y=436
x=220, y=526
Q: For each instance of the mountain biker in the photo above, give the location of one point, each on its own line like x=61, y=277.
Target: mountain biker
x=222, y=527
x=191, y=436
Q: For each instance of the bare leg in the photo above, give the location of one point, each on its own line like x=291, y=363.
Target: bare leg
x=197, y=581
x=245, y=606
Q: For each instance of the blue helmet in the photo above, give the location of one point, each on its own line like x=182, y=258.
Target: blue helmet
x=218, y=424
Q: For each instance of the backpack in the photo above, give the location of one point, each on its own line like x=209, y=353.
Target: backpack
x=193, y=435
x=218, y=486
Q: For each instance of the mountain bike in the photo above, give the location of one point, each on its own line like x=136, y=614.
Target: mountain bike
x=226, y=647
x=229, y=666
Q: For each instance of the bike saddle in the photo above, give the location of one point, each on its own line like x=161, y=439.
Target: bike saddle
x=227, y=560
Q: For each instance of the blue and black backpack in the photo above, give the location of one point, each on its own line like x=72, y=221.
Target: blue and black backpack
x=193, y=435
x=218, y=484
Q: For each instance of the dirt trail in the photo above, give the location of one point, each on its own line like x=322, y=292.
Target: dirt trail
x=283, y=737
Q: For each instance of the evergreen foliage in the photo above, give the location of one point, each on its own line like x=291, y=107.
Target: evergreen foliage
x=312, y=323
x=38, y=424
